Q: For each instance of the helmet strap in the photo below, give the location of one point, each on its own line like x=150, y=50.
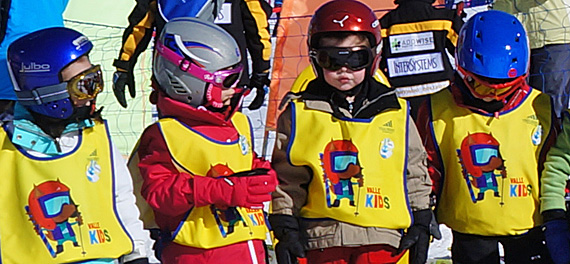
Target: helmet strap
x=214, y=96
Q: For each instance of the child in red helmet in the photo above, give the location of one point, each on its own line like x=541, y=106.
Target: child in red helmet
x=487, y=138
x=349, y=160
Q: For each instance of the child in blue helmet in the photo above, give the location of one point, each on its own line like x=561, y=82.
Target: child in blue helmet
x=67, y=193
x=487, y=138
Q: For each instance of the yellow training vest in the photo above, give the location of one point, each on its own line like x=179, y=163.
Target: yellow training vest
x=195, y=153
x=60, y=209
x=476, y=198
x=358, y=165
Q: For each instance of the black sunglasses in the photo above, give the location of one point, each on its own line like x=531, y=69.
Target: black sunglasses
x=334, y=58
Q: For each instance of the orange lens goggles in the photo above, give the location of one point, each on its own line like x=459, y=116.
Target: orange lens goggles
x=86, y=85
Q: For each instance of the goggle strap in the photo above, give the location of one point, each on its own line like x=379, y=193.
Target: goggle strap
x=179, y=60
x=191, y=68
x=44, y=94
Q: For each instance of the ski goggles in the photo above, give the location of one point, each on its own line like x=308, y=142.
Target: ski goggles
x=482, y=154
x=334, y=58
x=86, y=85
x=497, y=89
x=342, y=160
x=222, y=78
x=52, y=204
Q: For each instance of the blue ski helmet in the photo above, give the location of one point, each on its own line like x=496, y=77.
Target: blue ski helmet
x=493, y=44
x=35, y=63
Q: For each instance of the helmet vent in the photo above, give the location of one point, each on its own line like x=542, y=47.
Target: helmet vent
x=478, y=56
x=478, y=35
x=177, y=86
x=515, y=60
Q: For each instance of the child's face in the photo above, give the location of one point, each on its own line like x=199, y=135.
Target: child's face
x=344, y=79
x=227, y=95
x=79, y=66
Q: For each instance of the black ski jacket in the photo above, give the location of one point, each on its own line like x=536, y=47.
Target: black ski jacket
x=417, y=38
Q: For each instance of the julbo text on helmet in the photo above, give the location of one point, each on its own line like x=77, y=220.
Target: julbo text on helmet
x=35, y=63
x=192, y=54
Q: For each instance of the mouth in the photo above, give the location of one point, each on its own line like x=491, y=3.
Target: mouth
x=344, y=79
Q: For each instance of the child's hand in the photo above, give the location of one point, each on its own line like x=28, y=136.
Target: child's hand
x=252, y=191
x=244, y=191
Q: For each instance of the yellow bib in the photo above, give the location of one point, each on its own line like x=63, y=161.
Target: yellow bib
x=62, y=209
x=195, y=153
x=359, y=166
x=491, y=176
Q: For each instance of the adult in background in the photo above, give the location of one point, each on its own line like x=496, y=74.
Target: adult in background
x=417, y=40
x=548, y=25
x=238, y=17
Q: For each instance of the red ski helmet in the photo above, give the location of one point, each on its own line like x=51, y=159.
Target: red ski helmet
x=344, y=16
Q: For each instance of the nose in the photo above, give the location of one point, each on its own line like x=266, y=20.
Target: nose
x=344, y=69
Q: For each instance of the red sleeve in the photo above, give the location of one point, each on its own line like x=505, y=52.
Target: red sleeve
x=165, y=189
x=423, y=123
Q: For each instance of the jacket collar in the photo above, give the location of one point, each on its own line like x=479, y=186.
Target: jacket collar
x=372, y=99
x=187, y=114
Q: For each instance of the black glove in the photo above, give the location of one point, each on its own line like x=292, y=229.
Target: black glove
x=120, y=79
x=417, y=238
x=434, y=227
x=289, y=247
x=138, y=261
x=557, y=235
x=258, y=81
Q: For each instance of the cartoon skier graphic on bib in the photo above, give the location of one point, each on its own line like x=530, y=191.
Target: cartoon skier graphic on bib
x=480, y=158
x=50, y=207
x=341, y=164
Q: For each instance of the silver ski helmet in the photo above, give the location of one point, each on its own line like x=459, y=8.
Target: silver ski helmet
x=192, y=54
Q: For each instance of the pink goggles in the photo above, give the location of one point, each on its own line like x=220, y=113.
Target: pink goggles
x=222, y=78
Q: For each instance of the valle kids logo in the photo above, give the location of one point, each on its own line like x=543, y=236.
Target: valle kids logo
x=57, y=220
x=481, y=162
x=227, y=218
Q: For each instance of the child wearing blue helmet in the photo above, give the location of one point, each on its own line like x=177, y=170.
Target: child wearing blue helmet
x=67, y=193
x=487, y=139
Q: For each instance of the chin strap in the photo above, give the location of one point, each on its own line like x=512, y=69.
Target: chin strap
x=215, y=103
x=214, y=96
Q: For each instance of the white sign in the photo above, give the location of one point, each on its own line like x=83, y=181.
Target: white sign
x=417, y=64
x=411, y=42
